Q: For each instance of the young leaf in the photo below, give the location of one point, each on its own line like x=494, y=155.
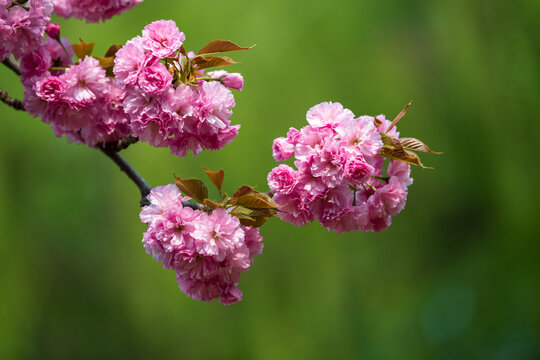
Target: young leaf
x=211, y=204
x=256, y=200
x=400, y=115
x=402, y=155
x=242, y=190
x=215, y=177
x=393, y=149
x=83, y=49
x=213, y=61
x=416, y=145
x=113, y=50
x=193, y=188
x=219, y=46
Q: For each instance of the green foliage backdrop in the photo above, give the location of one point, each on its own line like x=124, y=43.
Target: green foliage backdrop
x=455, y=277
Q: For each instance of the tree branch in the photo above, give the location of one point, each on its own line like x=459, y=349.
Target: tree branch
x=143, y=186
x=12, y=65
x=14, y=103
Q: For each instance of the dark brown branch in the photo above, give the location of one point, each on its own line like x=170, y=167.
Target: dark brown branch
x=12, y=65
x=14, y=103
x=143, y=186
x=119, y=145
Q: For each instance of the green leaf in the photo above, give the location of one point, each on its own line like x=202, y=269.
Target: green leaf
x=193, y=188
x=215, y=177
x=83, y=49
x=219, y=46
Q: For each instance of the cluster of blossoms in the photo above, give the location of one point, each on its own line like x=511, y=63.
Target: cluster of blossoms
x=22, y=25
x=92, y=10
x=340, y=181
x=170, y=103
x=80, y=102
x=209, y=252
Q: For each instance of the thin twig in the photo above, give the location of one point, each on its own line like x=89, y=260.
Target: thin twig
x=143, y=186
x=119, y=145
x=12, y=65
x=8, y=100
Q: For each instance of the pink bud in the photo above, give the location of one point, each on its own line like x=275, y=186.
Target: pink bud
x=53, y=30
x=230, y=80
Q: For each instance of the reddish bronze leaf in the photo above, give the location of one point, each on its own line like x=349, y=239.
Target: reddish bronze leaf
x=113, y=50
x=83, y=49
x=215, y=177
x=256, y=200
x=193, y=188
x=211, y=204
x=393, y=149
x=214, y=61
x=416, y=145
x=242, y=190
x=219, y=46
x=400, y=115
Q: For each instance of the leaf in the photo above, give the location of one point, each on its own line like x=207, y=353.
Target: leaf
x=402, y=155
x=113, y=50
x=83, y=49
x=416, y=145
x=215, y=177
x=211, y=204
x=242, y=190
x=213, y=61
x=193, y=188
x=256, y=222
x=256, y=200
x=219, y=46
x=393, y=149
x=105, y=62
x=242, y=213
x=400, y=115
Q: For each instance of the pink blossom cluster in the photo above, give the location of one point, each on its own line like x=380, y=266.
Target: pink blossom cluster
x=339, y=181
x=80, y=102
x=92, y=10
x=22, y=25
x=209, y=252
x=166, y=109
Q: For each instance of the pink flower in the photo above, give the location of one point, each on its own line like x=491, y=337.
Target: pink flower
x=22, y=28
x=328, y=113
x=129, y=61
x=53, y=30
x=50, y=88
x=162, y=38
x=92, y=10
x=218, y=234
x=215, y=104
x=282, y=149
x=361, y=135
x=209, y=252
x=85, y=81
x=36, y=63
x=339, y=182
x=230, y=80
x=357, y=170
x=155, y=79
x=282, y=179
x=328, y=164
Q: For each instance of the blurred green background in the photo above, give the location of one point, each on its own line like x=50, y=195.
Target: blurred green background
x=455, y=277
